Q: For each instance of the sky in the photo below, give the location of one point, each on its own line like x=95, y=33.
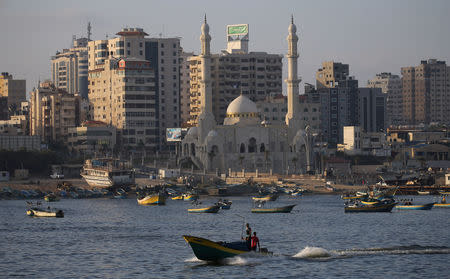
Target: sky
x=371, y=36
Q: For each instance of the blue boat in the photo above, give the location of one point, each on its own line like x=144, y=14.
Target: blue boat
x=426, y=206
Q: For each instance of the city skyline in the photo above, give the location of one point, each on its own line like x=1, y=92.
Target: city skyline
x=370, y=36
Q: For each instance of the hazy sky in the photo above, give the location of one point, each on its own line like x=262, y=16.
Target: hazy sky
x=372, y=36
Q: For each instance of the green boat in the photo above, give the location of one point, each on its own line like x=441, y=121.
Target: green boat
x=207, y=250
x=283, y=209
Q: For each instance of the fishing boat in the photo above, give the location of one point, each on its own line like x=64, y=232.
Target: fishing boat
x=190, y=197
x=350, y=197
x=427, y=206
x=40, y=212
x=120, y=194
x=423, y=192
x=207, y=250
x=178, y=198
x=51, y=198
x=381, y=207
x=442, y=203
x=156, y=199
x=224, y=204
x=283, y=209
x=266, y=198
x=209, y=209
x=107, y=172
x=370, y=202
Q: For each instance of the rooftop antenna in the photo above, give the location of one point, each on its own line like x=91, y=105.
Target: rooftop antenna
x=89, y=31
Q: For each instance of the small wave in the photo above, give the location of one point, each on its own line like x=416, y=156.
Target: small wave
x=237, y=260
x=193, y=260
x=312, y=252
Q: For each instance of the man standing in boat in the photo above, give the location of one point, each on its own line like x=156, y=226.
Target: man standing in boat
x=255, y=243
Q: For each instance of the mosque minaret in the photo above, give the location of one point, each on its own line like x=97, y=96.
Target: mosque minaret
x=206, y=118
x=292, y=81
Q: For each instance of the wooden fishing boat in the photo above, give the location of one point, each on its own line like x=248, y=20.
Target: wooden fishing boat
x=156, y=199
x=383, y=207
x=207, y=250
x=283, y=209
x=427, y=206
x=39, y=212
x=209, y=209
x=224, y=204
x=350, y=197
x=178, y=198
x=51, y=198
x=423, y=192
x=266, y=198
x=190, y=197
x=442, y=205
x=370, y=202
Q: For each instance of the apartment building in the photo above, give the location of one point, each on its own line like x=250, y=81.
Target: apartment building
x=426, y=93
x=358, y=142
x=92, y=137
x=16, y=125
x=52, y=112
x=123, y=95
x=163, y=55
x=331, y=74
x=70, y=68
x=185, y=98
x=14, y=90
x=391, y=86
x=371, y=107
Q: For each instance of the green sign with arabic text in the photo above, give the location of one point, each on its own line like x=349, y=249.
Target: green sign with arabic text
x=241, y=29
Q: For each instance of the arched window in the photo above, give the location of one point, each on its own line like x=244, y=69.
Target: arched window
x=192, y=149
x=262, y=148
x=252, y=148
x=242, y=148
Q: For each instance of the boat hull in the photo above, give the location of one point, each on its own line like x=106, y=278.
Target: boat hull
x=51, y=198
x=284, y=209
x=370, y=208
x=427, y=206
x=442, y=204
x=208, y=250
x=152, y=200
x=210, y=209
x=43, y=213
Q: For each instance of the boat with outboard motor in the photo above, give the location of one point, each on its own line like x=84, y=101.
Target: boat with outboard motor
x=37, y=211
x=207, y=250
x=282, y=209
x=410, y=206
x=382, y=206
x=156, y=199
x=208, y=209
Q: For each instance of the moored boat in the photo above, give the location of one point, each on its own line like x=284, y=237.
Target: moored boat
x=442, y=203
x=382, y=207
x=423, y=192
x=209, y=209
x=180, y=197
x=266, y=198
x=190, y=197
x=107, y=172
x=427, y=206
x=156, y=199
x=39, y=212
x=282, y=209
x=224, y=204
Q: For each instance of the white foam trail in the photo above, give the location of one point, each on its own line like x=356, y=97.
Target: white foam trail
x=193, y=260
x=312, y=252
x=236, y=261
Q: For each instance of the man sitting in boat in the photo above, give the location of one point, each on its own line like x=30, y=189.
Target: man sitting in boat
x=255, y=242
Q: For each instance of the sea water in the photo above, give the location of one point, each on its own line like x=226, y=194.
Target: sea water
x=110, y=238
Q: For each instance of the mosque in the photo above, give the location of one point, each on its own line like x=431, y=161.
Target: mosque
x=244, y=141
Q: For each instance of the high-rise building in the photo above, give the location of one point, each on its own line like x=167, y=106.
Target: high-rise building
x=426, y=93
x=14, y=90
x=70, y=68
x=122, y=94
x=163, y=55
x=371, y=107
x=185, y=98
x=331, y=74
x=52, y=112
x=391, y=85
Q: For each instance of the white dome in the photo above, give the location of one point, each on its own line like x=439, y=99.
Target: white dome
x=212, y=134
x=192, y=132
x=242, y=104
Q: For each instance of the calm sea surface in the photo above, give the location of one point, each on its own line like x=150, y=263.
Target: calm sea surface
x=106, y=238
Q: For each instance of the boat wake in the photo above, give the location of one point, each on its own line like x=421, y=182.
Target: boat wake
x=193, y=260
x=312, y=253
x=395, y=250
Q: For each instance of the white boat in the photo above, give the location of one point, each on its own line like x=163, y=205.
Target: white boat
x=107, y=172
